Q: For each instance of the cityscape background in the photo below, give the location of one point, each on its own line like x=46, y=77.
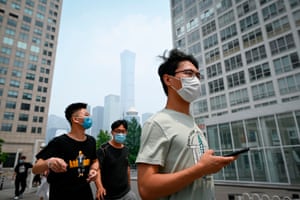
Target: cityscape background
x=54, y=53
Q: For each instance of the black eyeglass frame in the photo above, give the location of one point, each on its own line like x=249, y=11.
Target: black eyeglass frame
x=189, y=72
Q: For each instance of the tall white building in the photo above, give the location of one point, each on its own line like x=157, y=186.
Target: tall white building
x=248, y=52
x=127, y=80
x=111, y=110
x=97, y=116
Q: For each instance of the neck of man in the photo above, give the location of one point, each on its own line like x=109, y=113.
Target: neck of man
x=77, y=134
x=115, y=144
x=175, y=102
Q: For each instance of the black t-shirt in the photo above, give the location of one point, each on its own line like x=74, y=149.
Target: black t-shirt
x=79, y=155
x=21, y=170
x=114, y=170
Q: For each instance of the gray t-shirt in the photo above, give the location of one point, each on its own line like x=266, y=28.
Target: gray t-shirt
x=170, y=139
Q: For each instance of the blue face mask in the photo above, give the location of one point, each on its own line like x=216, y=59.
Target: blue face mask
x=87, y=123
x=120, y=138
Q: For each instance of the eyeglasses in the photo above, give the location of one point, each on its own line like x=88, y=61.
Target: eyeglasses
x=190, y=73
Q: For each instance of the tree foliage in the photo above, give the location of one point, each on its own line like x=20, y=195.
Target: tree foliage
x=3, y=156
x=102, y=137
x=133, y=140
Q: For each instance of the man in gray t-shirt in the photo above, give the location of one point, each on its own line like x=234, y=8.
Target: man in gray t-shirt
x=174, y=161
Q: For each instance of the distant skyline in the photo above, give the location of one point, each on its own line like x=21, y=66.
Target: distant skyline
x=92, y=36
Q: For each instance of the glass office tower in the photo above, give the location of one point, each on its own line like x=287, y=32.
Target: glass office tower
x=28, y=42
x=248, y=52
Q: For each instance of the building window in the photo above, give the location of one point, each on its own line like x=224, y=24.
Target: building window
x=4, y=60
x=256, y=54
x=11, y=105
x=263, y=90
x=278, y=26
x=226, y=19
x=21, y=128
x=25, y=106
x=16, y=73
x=23, y=117
x=273, y=10
x=216, y=86
x=249, y=22
x=28, y=86
x=2, y=81
x=236, y=79
x=3, y=70
x=231, y=47
x=233, y=63
x=289, y=84
x=210, y=41
x=200, y=107
x=259, y=72
x=223, y=5
x=30, y=76
x=212, y=56
x=214, y=70
x=12, y=94
x=6, y=127
x=195, y=49
x=208, y=28
x=228, y=32
x=14, y=83
x=218, y=102
x=282, y=44
x=207, y=15
x=252, y=38
x=246, y=7
x=8, y=116
x=296, y=16
x=193, y=23
x=203, y=4
x=286, y=63
x=238, y=97
x=10, y=32
x=18, y=63
x=27, y=96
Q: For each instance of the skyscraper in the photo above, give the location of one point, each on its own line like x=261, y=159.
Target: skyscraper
x=111, y=110
x=127, y=80
x=29, y=35
x=249, y=60
x=97, y=115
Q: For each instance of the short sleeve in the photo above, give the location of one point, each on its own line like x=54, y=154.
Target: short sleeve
x=154, y=145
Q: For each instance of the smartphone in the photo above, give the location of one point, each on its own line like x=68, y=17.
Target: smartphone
x=238, y=152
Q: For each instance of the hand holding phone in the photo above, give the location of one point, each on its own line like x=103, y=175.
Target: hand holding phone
x=237, y=152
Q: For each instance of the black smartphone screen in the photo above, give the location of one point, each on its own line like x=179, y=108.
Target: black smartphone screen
x=238, y=152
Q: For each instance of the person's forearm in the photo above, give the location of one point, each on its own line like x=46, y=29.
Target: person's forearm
x=165, y=184
x=40, y=166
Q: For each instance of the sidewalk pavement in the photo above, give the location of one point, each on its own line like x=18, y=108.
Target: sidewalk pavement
x=8, y=194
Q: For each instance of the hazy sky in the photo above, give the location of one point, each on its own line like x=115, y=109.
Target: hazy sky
x=92, y=35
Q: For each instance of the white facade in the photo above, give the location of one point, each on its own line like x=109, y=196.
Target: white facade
x=248, y=51
x=97, y=116
x=127, y=80
x=111, y=110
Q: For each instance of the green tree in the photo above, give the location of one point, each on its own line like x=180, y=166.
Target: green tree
x=102, y=137
x=133, y=140
x=3, y=156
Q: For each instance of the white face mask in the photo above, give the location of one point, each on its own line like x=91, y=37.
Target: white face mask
x=191, y=88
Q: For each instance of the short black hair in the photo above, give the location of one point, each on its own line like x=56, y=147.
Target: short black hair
x=171, y=63
x=72, y=108
x=118, y=123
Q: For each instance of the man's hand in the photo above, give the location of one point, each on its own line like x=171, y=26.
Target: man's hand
x=92, y=175
x=57, y=165
x=101, y=192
